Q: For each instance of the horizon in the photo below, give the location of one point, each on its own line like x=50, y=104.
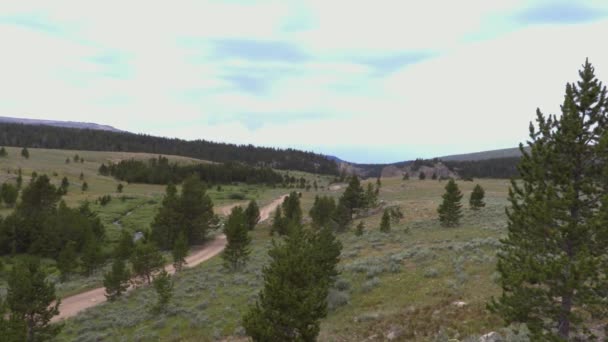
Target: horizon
x=413, y=83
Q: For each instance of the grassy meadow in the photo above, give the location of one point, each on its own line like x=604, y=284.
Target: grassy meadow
x=132, y=210
x=420, y=282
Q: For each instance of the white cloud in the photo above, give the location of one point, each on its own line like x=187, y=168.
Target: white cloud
x=163, y=76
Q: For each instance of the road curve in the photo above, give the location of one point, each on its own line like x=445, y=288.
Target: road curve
x=72, y=305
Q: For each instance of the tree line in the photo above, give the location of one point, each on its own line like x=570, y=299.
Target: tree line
x=40, y=136
x=161, y=171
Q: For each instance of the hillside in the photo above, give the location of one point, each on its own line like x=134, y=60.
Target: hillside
x=492, y=154
x=42, y=136
x=56, y=123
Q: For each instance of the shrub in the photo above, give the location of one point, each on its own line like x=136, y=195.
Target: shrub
x=336, y=299
x=431, y=273
x=342, y=284
x=370, y=284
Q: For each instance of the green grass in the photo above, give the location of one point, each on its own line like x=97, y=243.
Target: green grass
x=406, y=280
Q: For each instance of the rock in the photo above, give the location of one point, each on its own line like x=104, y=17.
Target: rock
x=491, y=337
x=393, y=333
x=459, y=303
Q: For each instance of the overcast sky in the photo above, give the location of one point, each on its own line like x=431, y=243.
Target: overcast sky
x=367, y=81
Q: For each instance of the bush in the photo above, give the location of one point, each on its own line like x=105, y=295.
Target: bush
x=342, y=284
x=237, y=196
x=370, y=284
x=431, y=273
x=336, y=299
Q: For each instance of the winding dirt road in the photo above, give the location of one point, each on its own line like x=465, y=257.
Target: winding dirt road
x=70, y=306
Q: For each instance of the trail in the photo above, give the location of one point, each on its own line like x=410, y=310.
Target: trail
x=72, y=305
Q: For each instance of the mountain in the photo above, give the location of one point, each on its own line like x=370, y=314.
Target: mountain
x=56, y=123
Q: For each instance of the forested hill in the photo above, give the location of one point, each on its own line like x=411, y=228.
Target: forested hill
x=96, y=140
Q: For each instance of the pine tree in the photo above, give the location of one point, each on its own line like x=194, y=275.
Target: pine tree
x=354, y=195
x=476, y=200
x=385, y=223
x=552, y=264
x=406, y=176
x=342, y=216
x=3, y=152
x=67, y=160
x=65, y=184
x=85, y=186
x=9, y=194
x=81, y=177
x=19, y=179
x=434, y=177
x=146, y=260
x=322, y=210
x=25, y=153
x=422, y=175
x=450, y=209
x=67, y=261
x=360, y=228
x=119, y=188
x=252, y=213
x=279, y=224
x=236, y=229
x=163, y=284
x=296, y=284
x=124, y=248
x=179, y=252
x=371, y=196
x=92, y=256
x=292, y=212
x=116, y=281
x=31, y=299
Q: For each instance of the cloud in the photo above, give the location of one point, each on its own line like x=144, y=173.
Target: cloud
x=256, y=50
x=387, y=64
x=561, y=12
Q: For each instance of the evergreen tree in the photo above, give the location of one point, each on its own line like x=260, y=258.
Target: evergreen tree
x=116, y=281
x=236, y=230
x=195, y=209
x=396, y=215
x=179, y=252
x=124, y=248
x=31, y=299
x=371, y=196
x=434, y=177
x=292, y=212
x=9, y=194
x=168, y=217
x=279, y=224
x=67, y=260
x=296, y=284
x=163, y=284
x=342, y=216
x=450, y=209
x=63, y=188
x=67, y=160
x=252, y=213
x=552, y=264
x=3, y=152
x=119, y=188
x=11, y=329
x=476, y=200
x=25, y=153
x=92, y=257
x=360, y=228
x=146, y=260
x=322, y=211
x=354, y=195
x=19, y=179
x=406, y=176
x=385, y=223
x=81, y=177
x=85, y=186
x=422, y=175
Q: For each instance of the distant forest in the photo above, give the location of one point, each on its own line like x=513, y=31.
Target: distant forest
x=39, y=136
x=161, y=171
x=487, y=168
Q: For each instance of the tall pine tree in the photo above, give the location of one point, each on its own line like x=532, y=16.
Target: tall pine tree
x=450, y=209
x=476, y=200
x=236, y=229
x=552, y=263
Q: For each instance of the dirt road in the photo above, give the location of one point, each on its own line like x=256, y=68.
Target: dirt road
x=70, y=306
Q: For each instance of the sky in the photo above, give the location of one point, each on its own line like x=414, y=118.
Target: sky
x=367, y=81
